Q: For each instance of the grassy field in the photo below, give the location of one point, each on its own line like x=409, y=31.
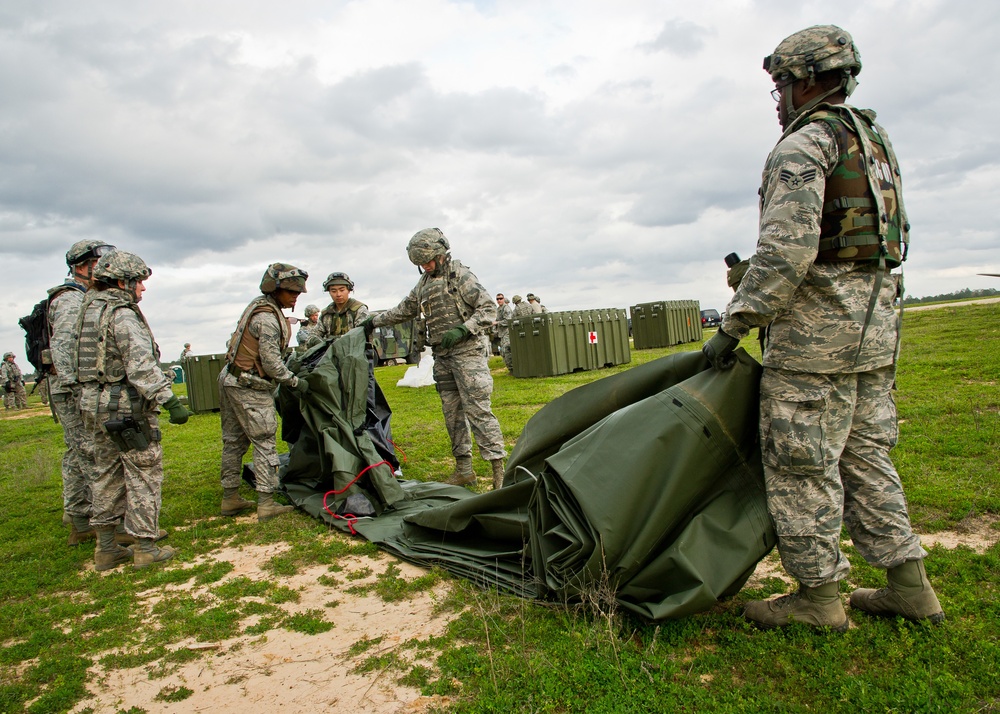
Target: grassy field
x=501, y=654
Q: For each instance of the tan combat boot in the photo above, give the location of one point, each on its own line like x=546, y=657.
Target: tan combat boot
x=80, y=530
x=146, y=553
x=909, y=594
x=463, y=475
x=819, y=607
x=268, y=509
x=233, y=504
x=109, y=554
x=497, y=465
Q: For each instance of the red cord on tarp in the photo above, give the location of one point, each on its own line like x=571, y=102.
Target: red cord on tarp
x=396, y=447
x=350, y=518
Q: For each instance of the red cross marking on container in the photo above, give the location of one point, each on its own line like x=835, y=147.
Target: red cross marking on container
x=592, y=337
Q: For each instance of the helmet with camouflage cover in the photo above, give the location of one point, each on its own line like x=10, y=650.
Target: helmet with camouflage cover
x=120, y=265
x=426, y=245
x=311, y=310
x=338, y=279
x=809, y=52
x=84, y=250
x=284, y=276
x=517, y=299
x=8, y=354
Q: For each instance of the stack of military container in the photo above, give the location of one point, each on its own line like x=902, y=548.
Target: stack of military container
x=551, y=343
x=665, y=323
x=202, y=375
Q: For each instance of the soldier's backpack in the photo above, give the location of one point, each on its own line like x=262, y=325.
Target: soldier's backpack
x=36, y=331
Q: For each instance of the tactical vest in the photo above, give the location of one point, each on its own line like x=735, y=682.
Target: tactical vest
x=863, y=216
x=94, y=330
x=337, y=324
x=440, y=303
x=244, y=348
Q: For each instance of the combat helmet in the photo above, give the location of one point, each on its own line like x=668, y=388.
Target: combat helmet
x=120, y=265
x=812, y=51
x=517, y=299
x=6, y=355
x=284, y=276
x=426, y=245
x=84, y=250
x=338, y=279
x=311, y=310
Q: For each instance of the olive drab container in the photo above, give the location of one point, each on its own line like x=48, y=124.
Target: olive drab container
x=202, y=375
x=551, y=343
x=665, y=323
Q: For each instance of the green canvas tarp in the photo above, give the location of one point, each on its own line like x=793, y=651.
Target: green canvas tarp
x=648, y=482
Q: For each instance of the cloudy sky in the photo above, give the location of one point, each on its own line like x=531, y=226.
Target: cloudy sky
x=597, y=153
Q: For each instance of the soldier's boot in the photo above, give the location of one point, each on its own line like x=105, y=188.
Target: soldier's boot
x=909, y=594
x=497, y=465
x=463, y=474
x=123, y=538
x=80, y=530
x=268, y=509
x=109, y=554
x=819, y=607
x=146, y=553
x=233, y=504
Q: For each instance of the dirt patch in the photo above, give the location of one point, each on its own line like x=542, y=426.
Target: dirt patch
x=284, y=670
x=26, y=413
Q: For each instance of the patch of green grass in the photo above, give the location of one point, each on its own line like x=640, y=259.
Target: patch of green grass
x=310, y=622
x=173, y=694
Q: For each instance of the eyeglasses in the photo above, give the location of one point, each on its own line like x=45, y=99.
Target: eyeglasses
x=500, y=297
x=776, y=92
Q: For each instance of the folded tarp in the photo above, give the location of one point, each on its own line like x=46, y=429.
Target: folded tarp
x=648, y=482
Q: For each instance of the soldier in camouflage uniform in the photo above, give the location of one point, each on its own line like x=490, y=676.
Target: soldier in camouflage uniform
x=65, y=301
x=309, y=327
x=832, y=226
x=122, y=389
x=521, y=308
x=343, y=314
x=13, y=383
x=501, y=328
x=254, y=368
x=458, y=312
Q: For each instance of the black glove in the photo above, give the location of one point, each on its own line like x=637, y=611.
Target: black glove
x=453, y=336
x=719, y=350
x=178, y=412
x=301, y=388
x=369, y=328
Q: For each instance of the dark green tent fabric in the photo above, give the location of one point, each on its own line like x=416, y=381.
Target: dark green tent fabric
x=648, y=481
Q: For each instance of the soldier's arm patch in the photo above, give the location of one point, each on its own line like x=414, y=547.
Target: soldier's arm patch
x=796, y=180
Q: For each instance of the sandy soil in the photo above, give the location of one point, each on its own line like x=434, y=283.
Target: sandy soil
x=284, y=670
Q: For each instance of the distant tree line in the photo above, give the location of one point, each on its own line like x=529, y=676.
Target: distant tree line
x=960, y=295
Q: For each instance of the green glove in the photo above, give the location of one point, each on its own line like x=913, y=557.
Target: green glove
x=368, y=326
x=301, y=388
x=734, y=276
x=719, y=350
x=453, y=336
x=178, y=412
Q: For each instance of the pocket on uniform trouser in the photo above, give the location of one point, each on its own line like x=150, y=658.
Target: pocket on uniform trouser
x=262, y=423
x=793, y=422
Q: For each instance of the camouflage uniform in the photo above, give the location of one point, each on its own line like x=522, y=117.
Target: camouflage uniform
x=118, y=369
x=504, y=314
x=449, y=296
x=12, y=379
x=306, y=333
x=828, y=419
x=335, y=323
x=65, y=303
x=246, y=399
x=42, y=387
x=521, y=309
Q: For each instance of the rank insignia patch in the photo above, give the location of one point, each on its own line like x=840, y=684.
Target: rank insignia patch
x=794, y=181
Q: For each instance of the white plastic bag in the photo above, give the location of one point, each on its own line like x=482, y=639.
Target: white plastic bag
x=422, y=375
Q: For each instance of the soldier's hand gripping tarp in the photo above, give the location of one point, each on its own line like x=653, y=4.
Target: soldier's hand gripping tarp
x=649, y=481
